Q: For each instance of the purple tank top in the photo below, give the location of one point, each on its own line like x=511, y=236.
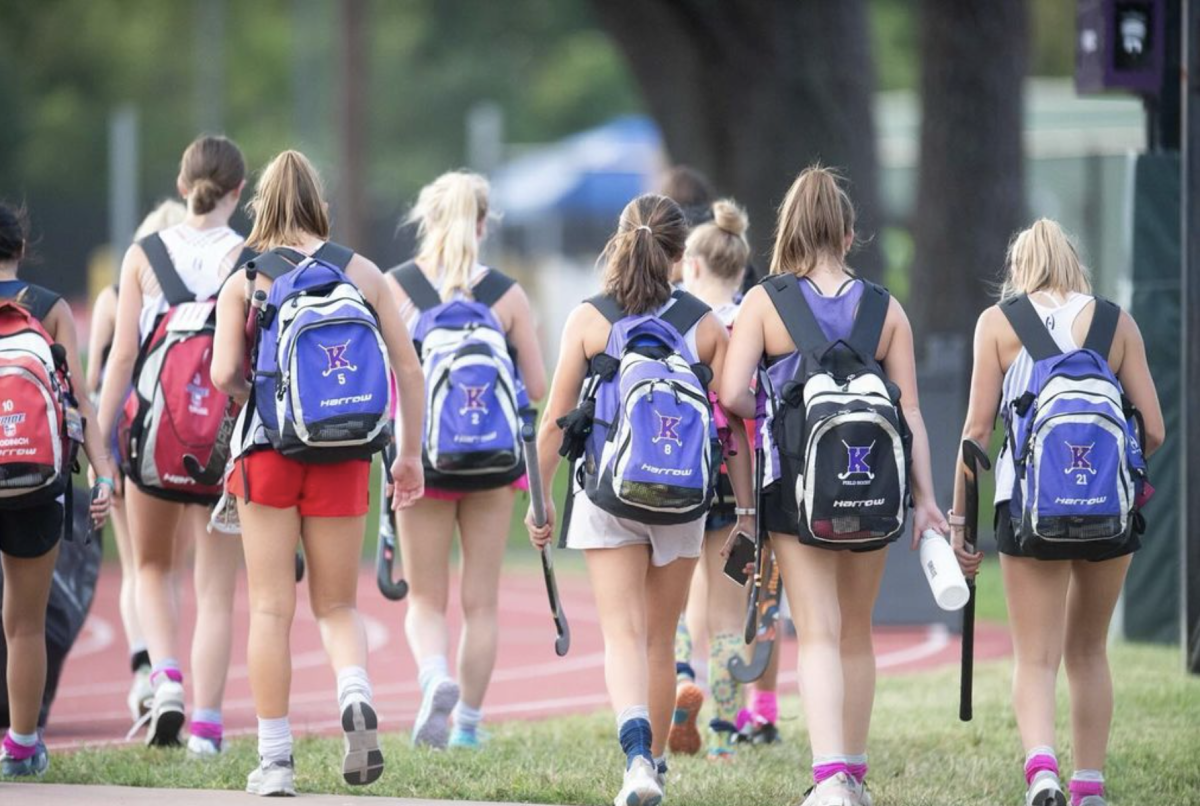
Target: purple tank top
x=835, y=314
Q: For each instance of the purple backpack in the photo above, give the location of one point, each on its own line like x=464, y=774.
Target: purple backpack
x=644, y=428
x=1075, y=442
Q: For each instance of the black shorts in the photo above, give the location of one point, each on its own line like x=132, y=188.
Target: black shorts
x=777, y=518
x=1007, y=543
x=30, y=533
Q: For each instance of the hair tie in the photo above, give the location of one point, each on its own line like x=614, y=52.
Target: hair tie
x=643, y=226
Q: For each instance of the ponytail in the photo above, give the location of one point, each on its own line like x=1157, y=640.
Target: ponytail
x=649, y=240
x=1043, y=258
x=211, y=168
x=448, y=213
x=815, y=219
x=288, y=204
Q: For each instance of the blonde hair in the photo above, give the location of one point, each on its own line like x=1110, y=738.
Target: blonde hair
x=212, y=167
x=288, y=204
x=721, y=243
x=168, y=213
x=447, y=214
x=1044, y=258
x=816, y=218
x=649, y=240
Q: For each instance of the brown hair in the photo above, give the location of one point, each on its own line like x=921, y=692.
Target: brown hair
x=1043, y=258
x=14, y=232
x=288, y=204
x=211, y=168
x=721, y=243
x=650, y=238
x=816, y=218
x=687, y=187
x=447, y=213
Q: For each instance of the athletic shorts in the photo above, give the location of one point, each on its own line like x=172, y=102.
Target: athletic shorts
x=436, y=494
x=593, y=528
x=341, y=490
x=778, y=519
x=30, y=533
x=1007, y=543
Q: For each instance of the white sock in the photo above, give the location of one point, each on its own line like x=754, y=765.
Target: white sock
x=466, y=718
x=23, y=739
x=432, y=671
x=633, y=712
x=353, y=685
x=212, y=715
x=1095, y=776
x=274, y=739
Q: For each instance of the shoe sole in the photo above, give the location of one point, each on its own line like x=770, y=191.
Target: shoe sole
x=363, y=762
x=435, y=730
x=684, y=736
x=165, y=729
x=1051, y=798
x=636, y=798
x=276, y=793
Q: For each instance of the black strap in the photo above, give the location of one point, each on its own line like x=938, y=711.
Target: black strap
x=416, y=285
x=39, y=301
x=795, y=312
x=1030, y=328
x=868, y=322
x=272, y=264
x=492, y=287
x=335, y=254
x=175, y=291
x=1104, y=327
x=607, y=306
x=245, y=256
x=685, y=313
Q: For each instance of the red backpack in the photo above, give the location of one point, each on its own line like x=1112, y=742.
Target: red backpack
x=176, y=420
x=40, y=428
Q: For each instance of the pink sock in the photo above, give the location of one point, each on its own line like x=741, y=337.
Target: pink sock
x=857, y=771
x=207, y=730
x=1037, y=763
x=744, y=718
x=17, y=751
x=828, y=770
x=1082, y=789
x=169, y=671
x=766, y=705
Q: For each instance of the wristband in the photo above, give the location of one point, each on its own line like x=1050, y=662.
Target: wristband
x=744, y=510
x=105, y=480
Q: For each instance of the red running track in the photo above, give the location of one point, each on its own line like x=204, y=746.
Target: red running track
x=530, y=681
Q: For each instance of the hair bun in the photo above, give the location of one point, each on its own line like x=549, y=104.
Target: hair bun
x=730, y=218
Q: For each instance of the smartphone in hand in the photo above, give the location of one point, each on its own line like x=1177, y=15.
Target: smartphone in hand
x=741, y=556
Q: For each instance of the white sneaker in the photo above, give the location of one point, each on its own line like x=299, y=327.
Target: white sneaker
x=274, y=779
x=362, y=762
x=837, y=790
x=202, y=749
x=166, y=715
x=141, y=693
x=641, y=786
x=864, y=794
x=1046, y=790
x=1093, y=800
x=432, y=728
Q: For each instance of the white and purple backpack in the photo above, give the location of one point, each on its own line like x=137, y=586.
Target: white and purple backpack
x=644, y=428
x=475, y=400
x=1075, y=443
x=321, y=382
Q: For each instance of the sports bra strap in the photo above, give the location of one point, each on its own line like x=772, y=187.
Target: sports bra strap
x=1030, y=329
x=869, y=321
x=685, y=313
x=416, y=285
x=795, y=313
x=1103, y=328
x=175, y=291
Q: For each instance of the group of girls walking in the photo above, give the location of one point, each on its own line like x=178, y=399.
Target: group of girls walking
x=667, y=385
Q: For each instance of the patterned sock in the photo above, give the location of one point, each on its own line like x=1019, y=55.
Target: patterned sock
x=1085, y=783
x=353, y=685
x=20, y=746
x=725, y=689
x=660, y=764
x=139, y=657
x=167, y=669
x=857, y=766
x=432, y=671
x=766, y=705
x=274, y=739
x=466, y=718
x=633, y=731
x=684, y=673
x=824, y=767
x=207, y=724
x=1038, y=759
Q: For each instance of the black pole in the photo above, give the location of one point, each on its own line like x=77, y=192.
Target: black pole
x=1190, y=284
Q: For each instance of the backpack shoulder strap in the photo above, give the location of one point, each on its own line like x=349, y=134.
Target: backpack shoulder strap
x=335, y=254
x=247, y=254
x=685, y=313
x=174, y=289
x=794, y=310
x=492, y=287
x=274, y=264
x=868, y=322
x=1029, y=327
x=1104, y=327
x=416, y=285
x=608, y=306
x=39, y=301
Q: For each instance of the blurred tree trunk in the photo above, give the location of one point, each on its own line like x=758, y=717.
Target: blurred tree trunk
x=751, y=93
x=971, y=189
x=349, y=216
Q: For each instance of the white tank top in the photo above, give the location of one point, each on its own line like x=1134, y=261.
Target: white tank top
x=202, y=257
x=1058, y=320
x=690, y=336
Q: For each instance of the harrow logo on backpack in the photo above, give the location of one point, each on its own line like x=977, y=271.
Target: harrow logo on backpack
x=668, y=429
x=336, y=356
x=856, y=461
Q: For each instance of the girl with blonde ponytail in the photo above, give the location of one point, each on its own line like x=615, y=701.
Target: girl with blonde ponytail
x=451, y=216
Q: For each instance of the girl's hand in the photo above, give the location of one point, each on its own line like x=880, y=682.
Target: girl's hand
x=968, y=562
x=744, y=525
x=540, y=536
x=408, y=481
x=101, y=502
x=926, y=516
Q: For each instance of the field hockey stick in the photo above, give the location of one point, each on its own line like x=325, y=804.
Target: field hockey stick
x=562, y=643
x=385, y=555
x=756, y=585
x=973, y=457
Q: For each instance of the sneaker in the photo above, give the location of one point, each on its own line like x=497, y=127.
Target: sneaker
x=141, y=694
x=1046, y=790
x=660, y=775
x=864, y=794
x=466, y=739
x=641, y=787
x=756, y=730
x=166, y=715
x=432, y=728
x=1093, y=800
x=684, y=736
x=837, y=790
x=37, y=764
x=276, y=779
x=363, y=761
x=201, y=749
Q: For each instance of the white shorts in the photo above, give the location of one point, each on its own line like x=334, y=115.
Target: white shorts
x=593, y=528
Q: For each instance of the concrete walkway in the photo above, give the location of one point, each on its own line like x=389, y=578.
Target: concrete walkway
x=67, y=795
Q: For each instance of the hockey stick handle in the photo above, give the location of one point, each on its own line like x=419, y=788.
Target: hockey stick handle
x=533, y=467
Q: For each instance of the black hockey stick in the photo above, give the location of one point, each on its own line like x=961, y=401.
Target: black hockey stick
x=973, y=458
x=759, y=548
x=385, y=556
x=768, y=625
x=562, y=643
x=212, y=473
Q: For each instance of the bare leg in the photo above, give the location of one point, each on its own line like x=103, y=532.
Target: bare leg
x=26, y=594
x=153, y=525
x=218, y=557
x=426, y=532
x=665, y=593
x=127, y=599
x=333, y=547
x=858, y=581
x=618, y=578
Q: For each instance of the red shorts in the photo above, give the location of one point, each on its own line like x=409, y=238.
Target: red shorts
x=341, y=490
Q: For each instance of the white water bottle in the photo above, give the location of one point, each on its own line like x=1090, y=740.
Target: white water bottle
x=941, y=568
